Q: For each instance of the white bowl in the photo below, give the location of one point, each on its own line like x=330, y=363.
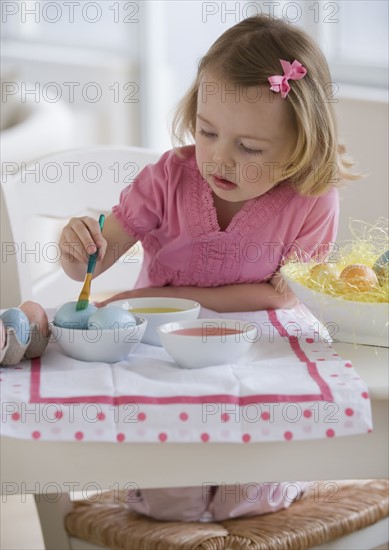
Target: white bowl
x=188, y=309
x=207, y=348
x=102, y=345
x=346, y=320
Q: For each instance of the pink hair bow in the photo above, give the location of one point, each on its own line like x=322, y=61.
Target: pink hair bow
x=292, y=71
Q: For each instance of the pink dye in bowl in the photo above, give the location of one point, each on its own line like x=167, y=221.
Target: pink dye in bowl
x=207, y=342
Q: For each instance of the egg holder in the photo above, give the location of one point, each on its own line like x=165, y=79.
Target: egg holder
x=14, y=350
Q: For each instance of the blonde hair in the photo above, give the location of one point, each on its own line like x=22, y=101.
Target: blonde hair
x=247, y=54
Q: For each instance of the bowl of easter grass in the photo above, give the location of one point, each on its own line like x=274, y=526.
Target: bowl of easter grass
x=349, y=314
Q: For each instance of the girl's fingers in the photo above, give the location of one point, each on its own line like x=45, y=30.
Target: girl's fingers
x=71, y=246
x=120, y=296
x=98, y=240
x=82, y=237
x=101, y=304
x=88, y=231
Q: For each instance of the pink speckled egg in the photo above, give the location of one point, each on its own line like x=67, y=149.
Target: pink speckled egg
x=36, y=314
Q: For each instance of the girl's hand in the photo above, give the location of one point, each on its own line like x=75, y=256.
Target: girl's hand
x=289, y=298
x=80, y=238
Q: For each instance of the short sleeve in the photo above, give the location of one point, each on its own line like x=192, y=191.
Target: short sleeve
x=318, y=232
x=142, y=203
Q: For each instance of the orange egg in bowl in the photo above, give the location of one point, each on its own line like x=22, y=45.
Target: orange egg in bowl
x=359, y=277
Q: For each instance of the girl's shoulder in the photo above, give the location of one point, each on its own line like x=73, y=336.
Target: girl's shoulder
x=325, y=200
x=287, y=195
x=183, y=157
x=174, y=161
x=164, y=177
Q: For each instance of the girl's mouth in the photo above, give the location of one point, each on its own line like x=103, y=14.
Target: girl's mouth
x=223, y=184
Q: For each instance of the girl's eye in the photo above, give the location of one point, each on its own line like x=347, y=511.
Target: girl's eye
x=206, y=134
x=245, y=149
x=251, y=151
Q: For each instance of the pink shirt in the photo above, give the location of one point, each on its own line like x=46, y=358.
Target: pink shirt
x=169, y=208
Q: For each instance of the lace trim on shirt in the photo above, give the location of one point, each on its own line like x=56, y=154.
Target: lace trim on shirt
x=217, y=259
x=201, y=212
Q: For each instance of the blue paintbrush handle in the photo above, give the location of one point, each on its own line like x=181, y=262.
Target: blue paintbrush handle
x=93, y=257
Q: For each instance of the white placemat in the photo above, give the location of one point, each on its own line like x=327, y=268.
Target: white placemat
x=291, y=385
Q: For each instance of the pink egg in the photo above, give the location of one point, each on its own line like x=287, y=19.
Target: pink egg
x=3, y=335
x=36, y=314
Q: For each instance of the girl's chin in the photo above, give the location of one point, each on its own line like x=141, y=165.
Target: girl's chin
x=227, y=196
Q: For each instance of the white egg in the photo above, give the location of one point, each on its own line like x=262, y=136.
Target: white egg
x=3, y=335
x=68, y=317
x=111, y=317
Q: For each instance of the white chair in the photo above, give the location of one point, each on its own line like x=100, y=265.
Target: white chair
x=41, y=198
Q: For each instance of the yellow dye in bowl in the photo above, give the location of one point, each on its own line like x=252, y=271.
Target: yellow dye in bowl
x=155, y=310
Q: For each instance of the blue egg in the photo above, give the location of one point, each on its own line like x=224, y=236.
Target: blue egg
x=381, y=268
x=68, y=317
x=382, y=261
x=16, y=319
x=112, y=317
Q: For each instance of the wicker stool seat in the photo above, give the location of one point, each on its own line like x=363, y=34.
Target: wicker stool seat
x=318, y=517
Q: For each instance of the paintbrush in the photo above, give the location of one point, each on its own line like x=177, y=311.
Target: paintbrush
x=83, y=299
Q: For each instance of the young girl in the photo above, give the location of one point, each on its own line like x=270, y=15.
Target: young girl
x=217, y=218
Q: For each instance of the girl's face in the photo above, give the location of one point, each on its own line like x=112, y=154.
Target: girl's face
x=244, y=138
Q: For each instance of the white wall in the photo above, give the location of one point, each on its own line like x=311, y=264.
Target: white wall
x=363, y=124
x=101, y=88
x=159, y=50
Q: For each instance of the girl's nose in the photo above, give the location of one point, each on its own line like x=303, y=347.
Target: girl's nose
x=222, y=155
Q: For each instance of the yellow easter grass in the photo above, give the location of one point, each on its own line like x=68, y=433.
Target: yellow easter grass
x=368, y=244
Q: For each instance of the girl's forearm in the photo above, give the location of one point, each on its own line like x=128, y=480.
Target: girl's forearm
x=240, y=297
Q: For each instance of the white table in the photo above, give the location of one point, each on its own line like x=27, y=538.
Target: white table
x=153, y=465
x=63, y=467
